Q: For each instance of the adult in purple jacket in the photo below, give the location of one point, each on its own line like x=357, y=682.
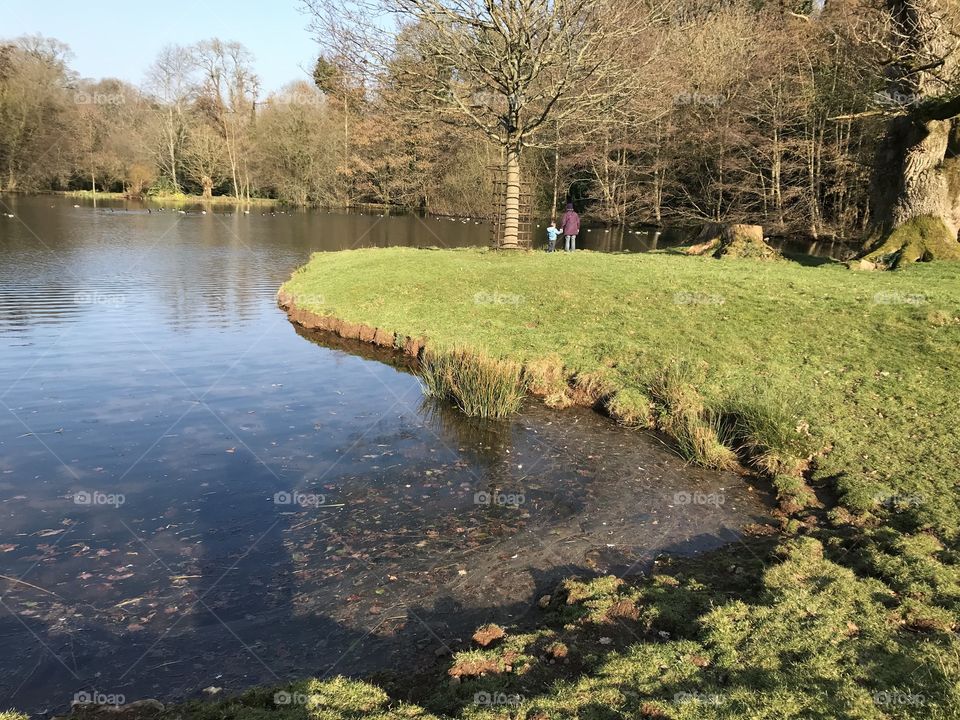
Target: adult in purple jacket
x=570, y=224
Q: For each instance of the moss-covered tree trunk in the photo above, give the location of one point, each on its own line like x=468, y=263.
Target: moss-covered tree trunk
x=732, y=241
x=916, y=187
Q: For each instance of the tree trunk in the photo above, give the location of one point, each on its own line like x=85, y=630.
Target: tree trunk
x=511, y=205
x=916, y=185
x=556, y=180
x=732, y=241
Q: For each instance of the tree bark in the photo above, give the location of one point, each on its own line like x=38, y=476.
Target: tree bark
x=511, y=206
x=916, y=185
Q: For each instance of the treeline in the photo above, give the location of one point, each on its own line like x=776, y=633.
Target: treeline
x=733, y=111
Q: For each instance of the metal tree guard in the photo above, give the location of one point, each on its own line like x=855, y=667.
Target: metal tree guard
x=498, y=221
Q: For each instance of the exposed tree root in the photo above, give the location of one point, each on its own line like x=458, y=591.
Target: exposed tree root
x=920, y=239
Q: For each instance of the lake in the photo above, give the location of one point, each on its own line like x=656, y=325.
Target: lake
x=195, y=494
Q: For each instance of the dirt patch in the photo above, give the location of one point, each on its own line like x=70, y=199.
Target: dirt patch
x=347, y=330
x=488, y=634
x=625, y=610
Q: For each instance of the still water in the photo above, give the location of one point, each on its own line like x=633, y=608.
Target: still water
x=193, y=494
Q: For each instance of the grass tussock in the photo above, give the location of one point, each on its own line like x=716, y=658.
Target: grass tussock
x=481, y=386
x=682, y=413
x=546, y=378
x=770, y=430
x=632, y=407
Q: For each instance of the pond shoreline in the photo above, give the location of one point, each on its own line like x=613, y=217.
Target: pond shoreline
x=577, y=393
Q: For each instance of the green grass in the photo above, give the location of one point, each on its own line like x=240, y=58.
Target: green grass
x=185, y=199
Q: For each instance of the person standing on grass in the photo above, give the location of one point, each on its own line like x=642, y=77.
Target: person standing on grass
x=570, y=224
x=553, y=232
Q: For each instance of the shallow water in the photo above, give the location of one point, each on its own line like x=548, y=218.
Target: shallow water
x=194, y=494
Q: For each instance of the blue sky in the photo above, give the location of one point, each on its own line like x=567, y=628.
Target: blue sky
x=121, y=39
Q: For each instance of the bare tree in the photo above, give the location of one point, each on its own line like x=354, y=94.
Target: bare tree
x=505, y=66
x=204, y=158
x=170, y=79
x=229, y=90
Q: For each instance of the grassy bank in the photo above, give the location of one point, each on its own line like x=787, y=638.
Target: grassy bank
x=171, y=198
x=856, y=611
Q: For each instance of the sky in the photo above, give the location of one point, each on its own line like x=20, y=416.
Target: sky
x=121, y=39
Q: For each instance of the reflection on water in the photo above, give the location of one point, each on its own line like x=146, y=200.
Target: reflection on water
x=192, y=493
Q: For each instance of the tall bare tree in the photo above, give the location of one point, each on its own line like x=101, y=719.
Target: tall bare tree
x=504, y=66
x=229, y=89
x=170, y=79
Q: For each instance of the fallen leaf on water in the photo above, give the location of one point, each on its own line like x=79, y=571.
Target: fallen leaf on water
x=49, y=533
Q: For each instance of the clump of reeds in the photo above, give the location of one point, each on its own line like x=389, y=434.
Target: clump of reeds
x=481, y=386
x=683, y=414
x=770, y=432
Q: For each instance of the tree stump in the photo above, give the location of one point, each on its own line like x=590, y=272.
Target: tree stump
x=737, y=241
